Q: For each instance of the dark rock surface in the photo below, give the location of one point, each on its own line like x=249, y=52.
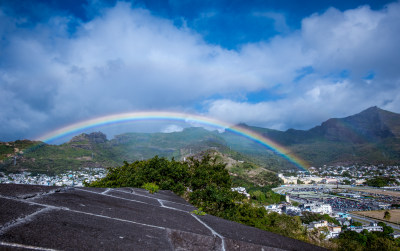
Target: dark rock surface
x=54, y=218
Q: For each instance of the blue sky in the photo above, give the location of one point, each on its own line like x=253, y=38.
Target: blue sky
x=275, y=64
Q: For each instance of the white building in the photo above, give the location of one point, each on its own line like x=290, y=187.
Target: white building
x=274, y=208
x=329, y=181
x=291, y=210
x=288, y=180
x=334, y=231
x=331, y=231
x=350, y=195
x=310, y=179
x=372, y=227
x=317, y=208
x=318, y=224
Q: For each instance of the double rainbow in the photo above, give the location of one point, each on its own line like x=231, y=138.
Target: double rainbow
x=174, y=116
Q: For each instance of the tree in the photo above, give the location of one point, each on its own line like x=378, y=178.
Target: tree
x=380, y=181
x=351, y=240
x=387, y=230
x=309, y=217
x=346, y=182
x=295, y=203
x=168, y=175
x=258, y=195
x=350, y=236
x=346, y=174
x=386, y=215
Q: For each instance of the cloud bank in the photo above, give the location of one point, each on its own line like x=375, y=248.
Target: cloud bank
x=63, y=70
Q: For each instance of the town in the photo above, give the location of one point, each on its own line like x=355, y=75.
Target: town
x=341, y=195
x=70, y=178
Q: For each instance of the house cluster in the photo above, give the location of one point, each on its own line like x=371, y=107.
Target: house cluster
x=354, y=175
x=343, y=218
x=350, y=195
x=70, y=178
x=313, y=179
x=314, y=207
x=372, y=227
x=333, y=231
x=357, y=172
x=329, y=229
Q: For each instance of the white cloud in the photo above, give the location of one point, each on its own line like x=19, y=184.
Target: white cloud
x=126, y=59
x=341, y=48
x=172, y=128
x=359, y=40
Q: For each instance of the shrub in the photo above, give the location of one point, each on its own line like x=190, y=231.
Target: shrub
x=151, y=187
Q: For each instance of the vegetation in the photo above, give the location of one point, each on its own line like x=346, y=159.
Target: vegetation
x=266, y=179
x=346, y=182
x=295, y=203
x=151, y=187
x=198, y=211
x=386, y=215
x=167, y=175
x=351, y=240
x=265, y=196
x=94, y=150
x=309, y=217
x=380, y=181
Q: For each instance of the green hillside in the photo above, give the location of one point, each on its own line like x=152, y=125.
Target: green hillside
x=370, y=137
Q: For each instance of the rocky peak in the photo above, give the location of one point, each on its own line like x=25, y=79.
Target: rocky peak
x=366, y=126
x=94, y=137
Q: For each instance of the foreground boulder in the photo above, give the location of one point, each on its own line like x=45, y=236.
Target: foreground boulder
x=43, y=218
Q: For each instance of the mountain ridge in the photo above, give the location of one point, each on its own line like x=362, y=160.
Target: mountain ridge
x=369, y=137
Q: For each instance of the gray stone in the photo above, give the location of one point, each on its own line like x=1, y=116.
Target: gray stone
x=54, y=218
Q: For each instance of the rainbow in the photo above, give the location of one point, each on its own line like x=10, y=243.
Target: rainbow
x=174, y=116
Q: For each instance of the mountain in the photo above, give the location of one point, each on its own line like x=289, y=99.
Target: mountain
x=369, y=137
x=95, y=150
x=371, y=125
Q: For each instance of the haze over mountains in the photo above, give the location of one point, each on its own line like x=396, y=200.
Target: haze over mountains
x=369, y=137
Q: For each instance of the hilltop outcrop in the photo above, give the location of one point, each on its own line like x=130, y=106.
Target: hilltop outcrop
x=36, y=217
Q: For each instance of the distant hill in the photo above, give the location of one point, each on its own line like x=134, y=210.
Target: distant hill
x=369, y=137
x=371, y=125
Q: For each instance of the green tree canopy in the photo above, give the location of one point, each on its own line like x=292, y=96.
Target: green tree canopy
x=380, y=181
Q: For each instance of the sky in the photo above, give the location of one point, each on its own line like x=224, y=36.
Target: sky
x=274, y=64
